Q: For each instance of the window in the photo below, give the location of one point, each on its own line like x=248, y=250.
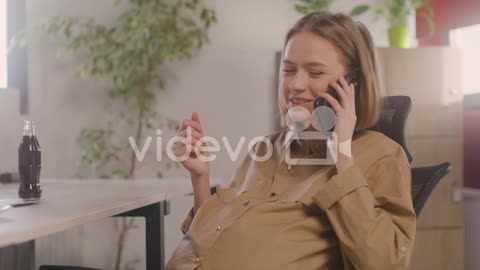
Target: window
x=3, y=43
x=13, y=69
x=468, y=40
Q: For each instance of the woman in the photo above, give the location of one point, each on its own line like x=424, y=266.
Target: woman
x=354, y=214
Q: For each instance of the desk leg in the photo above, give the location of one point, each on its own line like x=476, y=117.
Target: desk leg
x=18, y=257
x=154, y=232
x=154, y=236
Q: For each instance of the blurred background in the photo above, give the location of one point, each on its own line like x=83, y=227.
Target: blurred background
x=92, y=73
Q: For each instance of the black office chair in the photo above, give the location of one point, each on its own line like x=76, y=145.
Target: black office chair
x=395, y=110
x=424, y=179
x=392, y=121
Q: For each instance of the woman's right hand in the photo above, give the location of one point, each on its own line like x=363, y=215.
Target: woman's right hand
x=193, y=132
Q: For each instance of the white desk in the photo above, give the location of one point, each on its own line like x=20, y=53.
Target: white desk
x=69, y=203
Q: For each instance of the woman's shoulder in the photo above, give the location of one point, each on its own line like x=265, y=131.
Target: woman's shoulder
x=372, y=146
x=365, y=141
x=368, y=146
x=378, y=139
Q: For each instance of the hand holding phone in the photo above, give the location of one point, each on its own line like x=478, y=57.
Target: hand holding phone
x=351, y=77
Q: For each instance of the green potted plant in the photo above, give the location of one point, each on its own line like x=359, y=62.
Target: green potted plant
x=396, y=14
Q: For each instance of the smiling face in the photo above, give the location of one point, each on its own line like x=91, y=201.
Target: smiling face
x=319, y=48
x=309, y=64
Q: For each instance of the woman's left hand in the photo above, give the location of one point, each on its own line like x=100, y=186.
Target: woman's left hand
x=340, y=143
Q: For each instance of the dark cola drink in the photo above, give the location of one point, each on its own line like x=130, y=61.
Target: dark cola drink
x=29, y=163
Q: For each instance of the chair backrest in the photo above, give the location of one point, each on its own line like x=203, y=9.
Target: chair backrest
x=424, y=179
x=395, y=110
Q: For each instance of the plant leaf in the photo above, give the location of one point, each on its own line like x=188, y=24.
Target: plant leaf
x=358, y=10
x=431, y=24
x=302, y=9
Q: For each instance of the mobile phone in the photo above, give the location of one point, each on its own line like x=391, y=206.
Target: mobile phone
x=351, y=77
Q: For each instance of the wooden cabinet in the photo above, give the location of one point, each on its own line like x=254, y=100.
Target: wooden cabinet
x=428, y=75
x=443, y=208
x=431, y=252
x=434, y=134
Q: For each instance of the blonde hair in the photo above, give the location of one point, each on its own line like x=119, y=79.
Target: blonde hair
x=357, y=50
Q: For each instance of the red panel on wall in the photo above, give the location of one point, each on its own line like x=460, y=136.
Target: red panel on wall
x=448, y=15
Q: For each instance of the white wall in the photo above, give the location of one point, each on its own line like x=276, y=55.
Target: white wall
x=230, y=83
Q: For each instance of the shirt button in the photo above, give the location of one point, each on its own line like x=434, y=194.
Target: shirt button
x=246, y=203
x=219, y=228
x=403, y=249
x=197, y=259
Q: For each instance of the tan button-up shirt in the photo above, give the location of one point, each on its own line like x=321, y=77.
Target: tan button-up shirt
x=273, y=216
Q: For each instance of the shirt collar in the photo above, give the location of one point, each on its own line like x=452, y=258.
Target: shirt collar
x=305, y=148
